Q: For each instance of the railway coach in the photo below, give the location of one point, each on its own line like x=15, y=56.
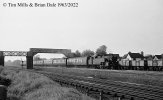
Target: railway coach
x=38, y=63
x=59, y=62
x=78, y=61
x=48, y=62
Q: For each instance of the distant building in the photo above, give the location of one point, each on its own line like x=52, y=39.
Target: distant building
x=157, y=57
x=133, y=56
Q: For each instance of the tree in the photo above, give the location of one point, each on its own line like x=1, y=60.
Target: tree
x=37, y=57
x=16, y=62
x=87, y=53
x=77, y=53
x=70, y=55
x=73, y=54
x=101, y=50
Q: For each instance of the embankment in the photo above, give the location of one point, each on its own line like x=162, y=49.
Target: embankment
x=32, y=86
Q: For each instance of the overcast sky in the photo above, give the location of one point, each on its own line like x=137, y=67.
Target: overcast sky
x=121, y=25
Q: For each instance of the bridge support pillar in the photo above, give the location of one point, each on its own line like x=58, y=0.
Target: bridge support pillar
x=29, y=62
x=1, y=58
x=29, y=58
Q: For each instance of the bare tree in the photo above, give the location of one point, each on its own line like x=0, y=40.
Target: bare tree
x=37, y=57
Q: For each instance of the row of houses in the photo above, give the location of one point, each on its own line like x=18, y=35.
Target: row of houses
x=140, y=56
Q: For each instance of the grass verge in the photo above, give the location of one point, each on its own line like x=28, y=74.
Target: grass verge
x=32, y=86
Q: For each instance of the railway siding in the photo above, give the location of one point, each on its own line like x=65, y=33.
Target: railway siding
x=128, y=76
x=125, y=90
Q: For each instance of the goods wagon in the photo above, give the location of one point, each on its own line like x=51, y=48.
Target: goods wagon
x=155, y=63
x=124, y=62
x=150, y=63
x=137, y=63
x=78, y=61
x=133, y=63
x=127, y=63
x=120, y=62
x=160, y=63
x=141, y=63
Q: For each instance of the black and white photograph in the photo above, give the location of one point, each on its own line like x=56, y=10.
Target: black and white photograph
x=81, y=50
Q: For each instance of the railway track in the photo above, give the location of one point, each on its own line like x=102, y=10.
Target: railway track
x=122, y=90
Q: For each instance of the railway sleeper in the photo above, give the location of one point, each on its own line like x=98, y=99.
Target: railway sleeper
x=156, y=89
x=139, y=94
x=148, y=89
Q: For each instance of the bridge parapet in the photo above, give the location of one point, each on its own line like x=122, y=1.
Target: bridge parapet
x=42, y=50
x=14, y=53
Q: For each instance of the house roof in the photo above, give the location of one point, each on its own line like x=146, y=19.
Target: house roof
x=158, y=56
x=125, y=56
x=133, y=55
x=148, y=57
x=108, y=55
x=136, y=55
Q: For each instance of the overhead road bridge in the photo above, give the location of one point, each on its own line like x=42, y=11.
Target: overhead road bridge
x=29, y=54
